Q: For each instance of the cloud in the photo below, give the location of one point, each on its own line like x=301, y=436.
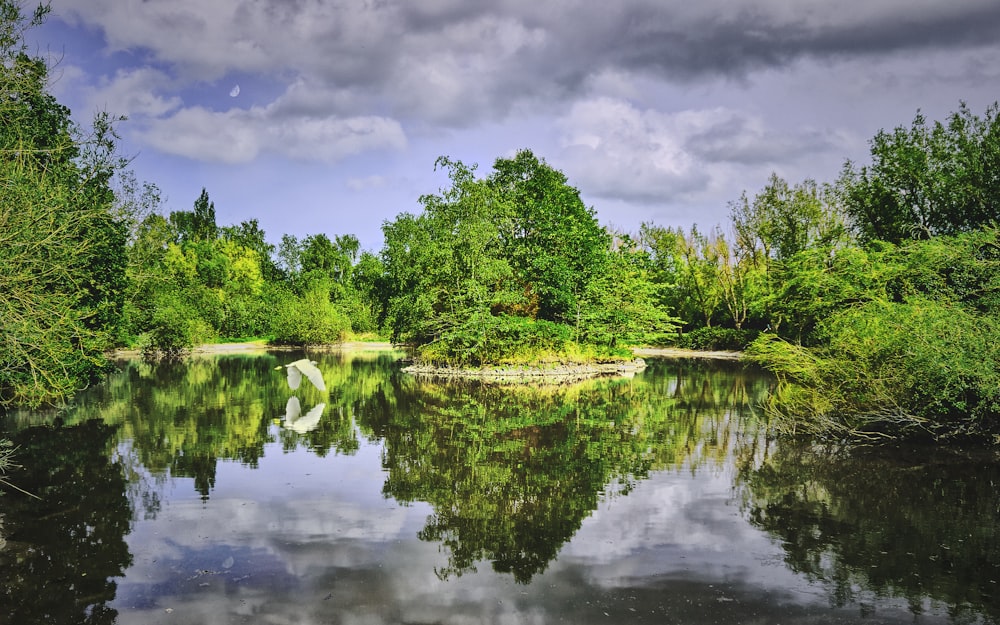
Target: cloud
x=738, y=138
x=452, y=62
x=368, y=183
x=239, y=136
x=649, y=100
x=132, y=92
x=617, y=150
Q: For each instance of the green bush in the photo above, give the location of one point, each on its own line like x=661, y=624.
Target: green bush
x=486, y=339
x=311, y=319
x=175, y=329
x=718, y=339
x=916, y=368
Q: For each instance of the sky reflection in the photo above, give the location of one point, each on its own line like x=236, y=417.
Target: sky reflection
x=310, y=540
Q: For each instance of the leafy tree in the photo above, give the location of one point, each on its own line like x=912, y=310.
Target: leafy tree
x=62, y=246
x=622, y=304
x=552, y=240
x=781, y=222
x=198, y=224
x=927, y=180
x=499, y=256
x=248, y=234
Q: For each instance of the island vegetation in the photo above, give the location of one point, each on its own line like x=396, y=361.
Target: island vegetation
x=874, y=299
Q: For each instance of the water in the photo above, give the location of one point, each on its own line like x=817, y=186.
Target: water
x=197, y=493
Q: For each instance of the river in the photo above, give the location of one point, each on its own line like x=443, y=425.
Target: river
x=210, y=492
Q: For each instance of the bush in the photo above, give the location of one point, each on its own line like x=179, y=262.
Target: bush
x=309, y=320
x=486, y=339
x=718, y=339
x=175, y=329
x=920, y=367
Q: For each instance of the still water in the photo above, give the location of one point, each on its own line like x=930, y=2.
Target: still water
x=210, y=492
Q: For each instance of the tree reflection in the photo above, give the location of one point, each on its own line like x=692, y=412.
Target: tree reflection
x=920, y=527
x=512, y=471
x=64, y=550
x=182, y=418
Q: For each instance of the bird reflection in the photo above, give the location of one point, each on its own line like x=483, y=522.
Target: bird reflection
x=296, y=421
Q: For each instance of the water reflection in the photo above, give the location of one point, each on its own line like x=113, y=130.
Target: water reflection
x=916, y=524
x=512, y=472
x=64, y=550
x=205, y=492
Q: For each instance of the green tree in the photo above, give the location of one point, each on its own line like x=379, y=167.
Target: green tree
x=494, y=261
x=552, y=240
x=198, y=224
x=622, y=305
x=927, y=180
x=62, y=247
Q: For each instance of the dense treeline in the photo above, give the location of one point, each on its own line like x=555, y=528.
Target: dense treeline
x=873, y=298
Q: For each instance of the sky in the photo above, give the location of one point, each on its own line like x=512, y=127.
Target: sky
x=322, y=116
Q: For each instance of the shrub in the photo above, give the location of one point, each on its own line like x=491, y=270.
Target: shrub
x=718, y=339
x=891, y=369
x=309, y=320
x=175, y=329
x=486, y=339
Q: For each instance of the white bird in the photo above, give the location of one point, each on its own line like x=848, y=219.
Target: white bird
x=304, y=367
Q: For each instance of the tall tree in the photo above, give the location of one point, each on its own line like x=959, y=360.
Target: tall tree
x=552, y=238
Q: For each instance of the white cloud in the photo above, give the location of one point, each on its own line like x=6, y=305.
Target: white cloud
x=239, y=135
x=368, y=182
x=614, y=149
x=132, y=92
x=198, y=133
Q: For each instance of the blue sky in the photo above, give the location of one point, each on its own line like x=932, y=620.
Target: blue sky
x=657, y=110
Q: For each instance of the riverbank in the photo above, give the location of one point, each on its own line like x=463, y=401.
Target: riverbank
x=599, y=369
x=236, y=348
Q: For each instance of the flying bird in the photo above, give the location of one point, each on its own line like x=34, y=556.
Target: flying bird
x=304, y=367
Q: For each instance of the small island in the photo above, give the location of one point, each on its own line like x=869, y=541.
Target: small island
x=552, y=373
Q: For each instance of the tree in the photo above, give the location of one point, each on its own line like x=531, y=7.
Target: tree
x=927, y=180
x=62, y=247
x=494, y=268
x=198, y=224
x=781, y=222
x=621, y=306
x=250, y=235
x=553, y=241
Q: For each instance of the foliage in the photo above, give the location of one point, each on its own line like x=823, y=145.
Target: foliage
x=62, y=246
x=926, y=181
x=491, y=258
x=891, y=369
x=487, y=339
x=622, y=304
x=310, y=319
x=717, y=339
